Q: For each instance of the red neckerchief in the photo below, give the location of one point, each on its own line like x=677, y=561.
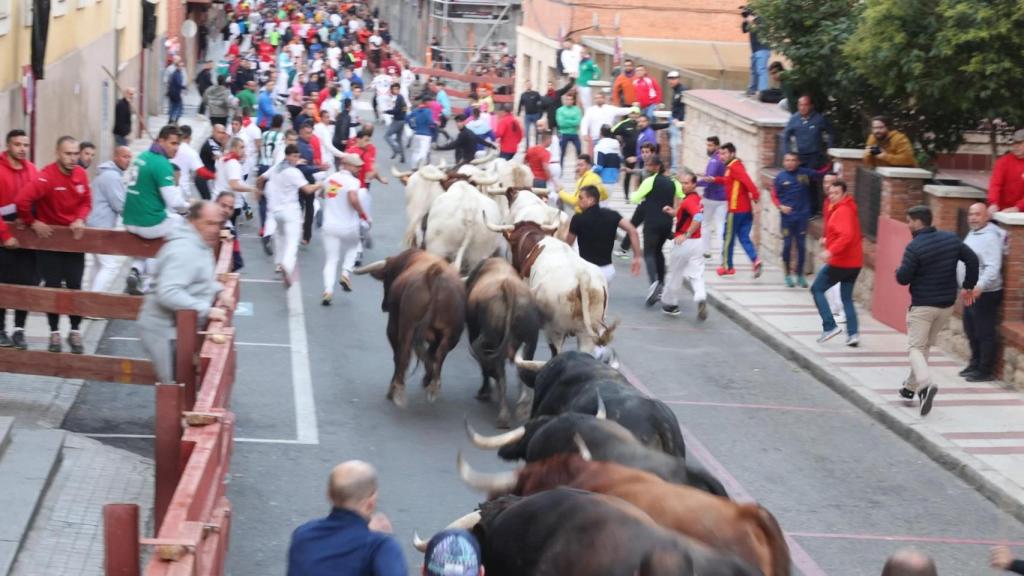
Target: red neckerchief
x=229, y=156
x=246, y=120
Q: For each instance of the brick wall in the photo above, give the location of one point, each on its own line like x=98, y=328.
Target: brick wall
x=671, y=19
x=899, y=195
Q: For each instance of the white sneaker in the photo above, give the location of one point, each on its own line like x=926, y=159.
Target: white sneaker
x=826, y=336
x=853, y=340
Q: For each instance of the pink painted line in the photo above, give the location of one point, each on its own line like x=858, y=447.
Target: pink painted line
x=905, y=364
x=861, y=332
x=995, y=450
x=780, y=407
x=1013, y=435
x=801, y=559
x=787, y=313
x=902, y=538
x=787, y=306
x=767, y=288
x=864, y=353
x=955, y=390
x=963, y=403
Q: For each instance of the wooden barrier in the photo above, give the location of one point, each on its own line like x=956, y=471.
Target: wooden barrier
x=93, y=240
x=467, y=78
x=70, y=302
x=66, y=365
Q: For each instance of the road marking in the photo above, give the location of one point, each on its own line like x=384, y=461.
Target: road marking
x=259, y=281
x=781, y=407
x=302, y=382
x=246, y=440
x=245, y=309
x=900, y=538
x=270, y=344
x=801, y=559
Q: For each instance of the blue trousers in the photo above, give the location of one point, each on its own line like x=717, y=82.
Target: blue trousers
x=174, y=110
x=737, y=225
x=846, y=278
x=564, y=139
x=528, y=121
x=794, y=231
x=759, y=70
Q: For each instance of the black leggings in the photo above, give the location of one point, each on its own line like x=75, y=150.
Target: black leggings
x=636, y=220
x=627, y=177
x=306, y=201
x=654, y=241
x=17, y=267
x=61, y=270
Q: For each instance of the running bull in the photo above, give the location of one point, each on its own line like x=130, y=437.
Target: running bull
x=423, y=186
x=426, y=305
x=568, y=532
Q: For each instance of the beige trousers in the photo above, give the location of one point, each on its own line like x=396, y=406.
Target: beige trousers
x=923, y=326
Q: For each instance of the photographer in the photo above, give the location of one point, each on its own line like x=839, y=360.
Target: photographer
x=759, y=53
x=888, y=147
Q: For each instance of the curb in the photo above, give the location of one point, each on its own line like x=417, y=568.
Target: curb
x=990, y=483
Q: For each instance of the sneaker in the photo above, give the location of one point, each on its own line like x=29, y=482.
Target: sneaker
x=671, y=310
x=702, y=310
x=707, y=255
x=979, y=377
x=325, y=300
x=346, y=283
x=133, y=282
x=801, y=281
x=758, y=268
x=967, y=371
x=18, y=340
x=5, y=341
x=790, y=283
x=653, y=294
x=927, y=395
x=621, y=254
x=829, y=334
x=723, y=271
x=55, y=343
x=268, y=247
x=906, y=393
x=853, y=340
x=75, y=342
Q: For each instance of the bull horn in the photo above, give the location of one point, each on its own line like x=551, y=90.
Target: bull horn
x=432, y=173
x=499, y=228
x=371, y=268
x=501, y=482
x=494, y=442
x=483, y=180
x=549, y=227
x=397, y=174
x=491, y=155
x=602, y=412
x=467, y=522
x=528, y=365
x=540, y=191
x=582, y=446
x=419, y=543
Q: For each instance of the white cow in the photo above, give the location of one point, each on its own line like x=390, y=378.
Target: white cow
x=530, y=205
x=422, y=187
x=457, y=227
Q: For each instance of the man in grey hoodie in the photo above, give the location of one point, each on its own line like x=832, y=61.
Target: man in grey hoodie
x=184, y=279
x=108, y=192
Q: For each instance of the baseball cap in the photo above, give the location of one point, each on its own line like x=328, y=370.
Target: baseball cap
x=351, y=159
x=673, y=74
x=452, y=553
x=1018, y=136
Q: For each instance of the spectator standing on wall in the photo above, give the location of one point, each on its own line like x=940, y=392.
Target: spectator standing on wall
x=587, y=71
x=531, y=110
x=809, y=135
x=623, y=93
x=887, y=147
x=759, y=53
x=929, y=267
x=675, y=131
x=981, y=321
x=1006, y=187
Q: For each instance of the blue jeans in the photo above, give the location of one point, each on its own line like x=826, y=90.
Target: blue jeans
x=564, y=139
x=794, y=231
x=759, y=71
x=737, y=225
x=846, y=278
x=174, y=110
x=531, y=120
x=649, y=111
x=675, y=142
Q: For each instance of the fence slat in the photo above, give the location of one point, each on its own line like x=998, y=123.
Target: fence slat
x=93, y=240
x=71, y=302
x=66, y=365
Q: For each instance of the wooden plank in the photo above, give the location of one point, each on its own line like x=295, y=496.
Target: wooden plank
x=66, y=365
x=498, y=98
x=442, y=73
x=93, y=240
x=70, y=302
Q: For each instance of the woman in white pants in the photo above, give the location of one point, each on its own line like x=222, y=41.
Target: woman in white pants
x=343, y=212
x=282, y=184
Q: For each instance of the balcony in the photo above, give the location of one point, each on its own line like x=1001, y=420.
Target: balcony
x=473, y=11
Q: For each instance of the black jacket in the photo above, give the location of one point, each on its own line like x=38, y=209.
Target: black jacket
x=400, y=109
x=678, y=108
x=929, y=267
x=465, y=145
x=204, y=80
x=123, y=118
x=551, y=103
x=530, y=102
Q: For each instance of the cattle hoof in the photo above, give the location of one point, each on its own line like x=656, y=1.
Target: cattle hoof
x=484, y=396
x=397, y=396
x=433, y=392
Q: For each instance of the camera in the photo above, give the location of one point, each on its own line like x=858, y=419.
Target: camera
x=876, y=150
x=745, y=11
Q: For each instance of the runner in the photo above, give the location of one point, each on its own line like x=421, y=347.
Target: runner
x=655, y=194
x=595, y=229
x=343, y=220
x=686, y=261
x=741, y=194
x=283, y=184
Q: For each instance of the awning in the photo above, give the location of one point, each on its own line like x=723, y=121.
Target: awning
x=702, y=63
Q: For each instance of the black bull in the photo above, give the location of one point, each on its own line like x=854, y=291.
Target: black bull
x=566, y=532
x=572, y=382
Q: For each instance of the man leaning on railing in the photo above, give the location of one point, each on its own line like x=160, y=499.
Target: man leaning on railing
x=183, y=279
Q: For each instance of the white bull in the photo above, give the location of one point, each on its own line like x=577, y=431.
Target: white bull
x=422, y=187
x=457, y=227
x=530, y=205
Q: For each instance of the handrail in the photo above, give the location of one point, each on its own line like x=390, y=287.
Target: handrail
x=93, y=241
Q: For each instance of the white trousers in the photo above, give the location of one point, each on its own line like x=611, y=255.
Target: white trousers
x=161, y=230
x=420, y=150
x=834, y=301
x=608, y=271
x=104, y=269
x=338, y=245
x=714, y=217
x=686, y=262
x=288, y=223
x=585, y=93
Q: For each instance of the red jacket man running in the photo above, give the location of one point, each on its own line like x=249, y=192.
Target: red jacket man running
x=740, y=193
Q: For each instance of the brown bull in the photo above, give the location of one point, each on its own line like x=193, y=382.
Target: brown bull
x=426, y=305
x=523, y=239
x=746, y=530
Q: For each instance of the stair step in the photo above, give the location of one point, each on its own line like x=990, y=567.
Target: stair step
x=26, y=468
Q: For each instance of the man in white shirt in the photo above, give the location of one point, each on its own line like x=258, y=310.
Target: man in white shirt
x=331, y=105
x=344, y=213
x=324, y=132
x=600, y=114
x=247, y=130
x=282, y=185
x=187, y=160
x=296, y=49
x=333, y=54
x=230, y=177
x=382, y=90
x=570, y=58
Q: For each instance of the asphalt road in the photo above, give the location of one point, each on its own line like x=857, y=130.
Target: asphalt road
x=849, y=491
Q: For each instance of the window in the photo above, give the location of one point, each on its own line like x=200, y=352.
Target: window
x=26, y=13
x=59, y=8
x=5, y=16
x=85, y=3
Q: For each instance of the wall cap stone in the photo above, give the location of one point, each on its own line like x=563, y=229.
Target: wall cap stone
x=944, y=191
x=738, y=107
x=847, y=153
x=901, y=172
x=1009, y=218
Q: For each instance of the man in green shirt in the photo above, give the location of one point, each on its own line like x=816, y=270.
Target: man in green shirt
x=588, y=71
x=568, y=118
x=151, y=196
x=247, y=99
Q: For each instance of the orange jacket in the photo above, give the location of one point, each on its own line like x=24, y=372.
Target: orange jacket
x=623, y=91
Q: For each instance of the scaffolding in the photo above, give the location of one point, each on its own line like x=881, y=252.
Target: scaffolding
x=458, y=52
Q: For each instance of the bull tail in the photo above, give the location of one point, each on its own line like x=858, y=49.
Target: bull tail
x=601, y=332
x=774, y=538
x=419, y=334
x=423, y=232
x=487, y=355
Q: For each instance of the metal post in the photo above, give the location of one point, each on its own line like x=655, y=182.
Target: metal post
x=121, y=540
x=167, y=448
x=185, y=354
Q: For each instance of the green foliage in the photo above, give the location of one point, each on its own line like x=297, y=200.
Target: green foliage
x=937, y=67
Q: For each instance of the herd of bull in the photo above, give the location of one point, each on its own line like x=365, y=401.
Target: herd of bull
x=606, y=488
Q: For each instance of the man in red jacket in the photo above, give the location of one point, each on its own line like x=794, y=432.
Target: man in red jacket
x=648, y=92
x=740, y=192
x=1006, y=187
x=16, y=266
x=509, y=132
x=60, y=197
x=844, y=257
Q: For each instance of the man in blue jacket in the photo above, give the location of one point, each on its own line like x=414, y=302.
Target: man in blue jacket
x=791, y=193
x=809, y=135
x=423, y=126
x=349, y=540
x=929, y=267
x=265, y=106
